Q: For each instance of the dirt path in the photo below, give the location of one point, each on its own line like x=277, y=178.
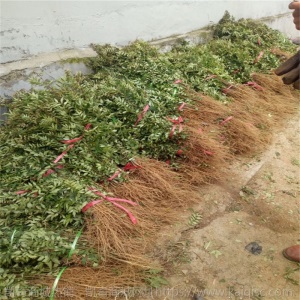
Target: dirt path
x=258, y=203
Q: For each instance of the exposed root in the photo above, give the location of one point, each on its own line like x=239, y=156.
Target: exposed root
x=159, y=189
x=105, y=282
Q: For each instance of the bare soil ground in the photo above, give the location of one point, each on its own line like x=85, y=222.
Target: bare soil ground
x=205, y=257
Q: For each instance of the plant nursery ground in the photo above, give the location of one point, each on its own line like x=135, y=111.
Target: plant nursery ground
x=258, y=202
x=161, y=175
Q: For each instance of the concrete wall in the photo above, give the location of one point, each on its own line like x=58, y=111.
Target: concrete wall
x=36, y=35
x=33, y=27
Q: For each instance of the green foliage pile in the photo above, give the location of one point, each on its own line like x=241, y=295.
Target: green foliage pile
x=230, y=55
x=38, y=226
x=31, y=140
x=239, y=43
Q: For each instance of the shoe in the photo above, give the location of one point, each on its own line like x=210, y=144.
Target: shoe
x=292, y=253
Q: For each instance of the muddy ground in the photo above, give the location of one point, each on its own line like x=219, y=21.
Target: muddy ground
x=258, y=202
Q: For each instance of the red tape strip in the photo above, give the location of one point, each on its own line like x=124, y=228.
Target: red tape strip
x=130, y=166
x=226, y=90
x=72, y=141
x=119, y=200
x=49, y=172
x=176, y=123
x=130, y=215
x=210, y=77
x=177, y=81
x=208, y=152
x=90, y=204
x=226, y=120
x=59, y=157
x=21, y=192
x=180, y=108
x=179, y=152
x=87, y=126
x=71, y=144
x=116, y=174
x=254, y=85
x=113, y=201
x=260, y=55
x=146, y=108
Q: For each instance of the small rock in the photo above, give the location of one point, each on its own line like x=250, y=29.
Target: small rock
x=197, y=297
x=254, y=248
x=184, y=271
